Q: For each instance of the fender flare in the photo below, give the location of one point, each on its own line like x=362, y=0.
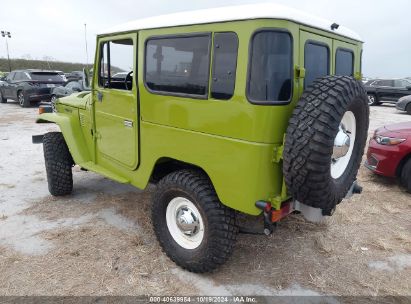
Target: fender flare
x=72, y=133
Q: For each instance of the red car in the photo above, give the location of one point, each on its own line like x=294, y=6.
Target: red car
x=389, y=152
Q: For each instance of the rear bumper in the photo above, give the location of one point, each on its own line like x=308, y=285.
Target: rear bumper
x=39, y=97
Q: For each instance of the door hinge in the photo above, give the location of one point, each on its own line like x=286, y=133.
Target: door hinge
x=299, y=72
x=128, y=123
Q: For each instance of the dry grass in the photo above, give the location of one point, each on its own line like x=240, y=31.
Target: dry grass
x=96, y=258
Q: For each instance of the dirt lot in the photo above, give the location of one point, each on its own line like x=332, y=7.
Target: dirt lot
x=99, y=241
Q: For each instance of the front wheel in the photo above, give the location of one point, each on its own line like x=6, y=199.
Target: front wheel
x=2, y=98
x=373, y=100
x=53, y=102
x=406, y=176
x=192, y=226
x=59, y=163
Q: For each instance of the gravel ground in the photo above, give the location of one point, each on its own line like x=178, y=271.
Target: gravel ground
x=99, y=241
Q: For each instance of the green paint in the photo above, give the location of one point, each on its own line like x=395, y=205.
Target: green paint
x=239, y=145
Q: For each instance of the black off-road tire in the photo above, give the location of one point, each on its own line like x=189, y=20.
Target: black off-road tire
x=23, y=100
x=59, y=164
x=310, y=140
x=2, y=99
x=406, y=175
x=220, y=228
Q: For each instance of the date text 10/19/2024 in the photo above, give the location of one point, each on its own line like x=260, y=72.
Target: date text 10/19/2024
x=204, y=299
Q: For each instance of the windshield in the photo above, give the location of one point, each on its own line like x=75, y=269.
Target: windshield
x=41, y=76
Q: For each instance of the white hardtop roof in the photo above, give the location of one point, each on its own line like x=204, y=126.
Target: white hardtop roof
x=232, y=13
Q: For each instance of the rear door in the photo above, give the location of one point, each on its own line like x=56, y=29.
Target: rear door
x=385, y=90
x=315, y=56
x=115, y=102
x=402, y=88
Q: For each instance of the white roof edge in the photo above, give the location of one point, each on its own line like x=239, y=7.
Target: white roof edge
x=232, y=13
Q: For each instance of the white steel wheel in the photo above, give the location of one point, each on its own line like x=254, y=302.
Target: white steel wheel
x=184, y=222
x=343, y=145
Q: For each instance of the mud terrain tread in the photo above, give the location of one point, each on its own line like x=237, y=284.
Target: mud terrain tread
x=59, y=164
x=310, y=139
x=220, y=221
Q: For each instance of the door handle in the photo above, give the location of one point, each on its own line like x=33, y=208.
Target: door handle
x=99, y=96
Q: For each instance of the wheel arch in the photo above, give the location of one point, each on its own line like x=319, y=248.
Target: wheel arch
x=402, y=163
x=166, y=165
x=71, y=130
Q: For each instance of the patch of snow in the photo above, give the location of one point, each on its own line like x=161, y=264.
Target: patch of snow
x=116, y=220
x=397, y=262
x=21, y=232
x=208, y=287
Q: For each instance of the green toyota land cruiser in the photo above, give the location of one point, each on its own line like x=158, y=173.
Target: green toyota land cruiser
x=253, y=109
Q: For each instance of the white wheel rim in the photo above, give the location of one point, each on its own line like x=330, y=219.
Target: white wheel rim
x=184, y=222
x=343, y=145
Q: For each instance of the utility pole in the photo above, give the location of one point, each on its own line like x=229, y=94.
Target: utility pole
x=85, y=39
x=7, y=35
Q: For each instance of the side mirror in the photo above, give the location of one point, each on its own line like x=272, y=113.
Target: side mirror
x=86, y=78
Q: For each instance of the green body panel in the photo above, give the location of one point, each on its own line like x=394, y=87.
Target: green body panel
x=238, y=144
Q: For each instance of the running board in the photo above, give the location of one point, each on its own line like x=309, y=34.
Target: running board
x=90, y=166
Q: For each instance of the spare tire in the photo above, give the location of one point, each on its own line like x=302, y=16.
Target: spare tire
x=325, y=141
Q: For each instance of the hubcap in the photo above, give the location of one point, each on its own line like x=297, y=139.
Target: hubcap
x=184, y=223
x=187, y=221
x=343, y=145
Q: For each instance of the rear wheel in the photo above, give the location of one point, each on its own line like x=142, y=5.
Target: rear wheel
x=23, y=100
x=373, y=100
x=325, y=142
x=406, y=176
x=59, y=164
x=192, y=226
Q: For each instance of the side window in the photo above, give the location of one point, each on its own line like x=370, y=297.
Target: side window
x=270, y=68
x=116, y=56
x=224, y=65
x=400, y=83
x=344, y=62
x=18, y=76
x=316, y=62
x=386, y=83
x=178, y=65
x=10, y=76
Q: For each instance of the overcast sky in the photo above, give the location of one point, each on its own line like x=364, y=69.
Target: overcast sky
x=55, y=28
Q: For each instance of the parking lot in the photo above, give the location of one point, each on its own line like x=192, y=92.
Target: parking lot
x=99, y=241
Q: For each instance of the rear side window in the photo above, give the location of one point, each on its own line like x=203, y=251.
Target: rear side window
x=178, y=65
x=316, y=62
x=41, y=76
x=270, y=68
x=224, y=65
x=344, y=62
